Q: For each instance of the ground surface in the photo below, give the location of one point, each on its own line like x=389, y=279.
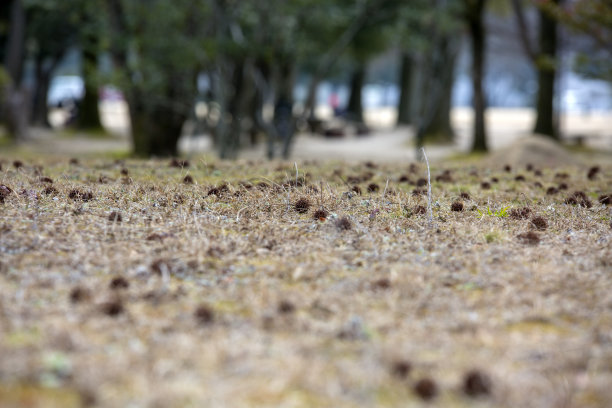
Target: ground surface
x=122, y=284
x=385, y=143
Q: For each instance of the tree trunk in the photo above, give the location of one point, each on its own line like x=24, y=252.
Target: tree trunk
x=119, y=26
x=417, y=95
x=16, y=99
x=426, y=99
x=5, y=17
x=546, y=66
x=477, y=38
x=262, y=78
x=230, y=140
x=40, y=111
x=404, y=109
x=13, y=60
x=439, y=129
x=16, y=111
x=311, y=98
x=155, y=131
x=354, y=109
x=261, y=84
x=436, y=71
x=156, y=127
x=285, y=123
x=89, y=114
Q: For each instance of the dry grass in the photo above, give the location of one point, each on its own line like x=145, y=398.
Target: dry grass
x=224, y=289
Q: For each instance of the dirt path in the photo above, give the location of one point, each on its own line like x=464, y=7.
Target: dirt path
x=384, y=144
x=394, y=145
x=45, y=141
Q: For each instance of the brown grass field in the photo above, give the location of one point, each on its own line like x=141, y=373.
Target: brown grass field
x=322, y=284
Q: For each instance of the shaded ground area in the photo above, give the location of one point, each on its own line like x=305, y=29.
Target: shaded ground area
x=148, y=284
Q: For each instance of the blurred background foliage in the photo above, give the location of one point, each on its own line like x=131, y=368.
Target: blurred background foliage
x=233, y=66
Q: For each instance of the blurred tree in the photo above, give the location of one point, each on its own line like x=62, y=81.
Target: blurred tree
x=91, y=41
x=158, y=48
x=331, y=28
x=284, y=123
x=271, y=40
x=15, y=106
x=88, y=107
x=473, y=13
x=15, y=46
x=437, y=73
x=272, y=32
x=546, y=64
x=375, y=38
x=5, y=15
x=354, y=109
x=53, y=27
x=413, y=43
x=430, y=34
x=545, y=61
x=404, y=108
x=239, y=56
x=593, y=18
x=5, y=79
x=328, y=31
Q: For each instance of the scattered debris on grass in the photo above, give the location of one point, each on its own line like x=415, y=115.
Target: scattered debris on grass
x=382, y=283
x=579, y=198
x=79, y=294
x=115, y=216
x=119, y=282
x=419, y=210
x=78, y=195
x=539, y=223
x=302, y=205
x=179, y=163
x=204, y=315
x=285, y=307
x=401, y=368
x=344, y=223
x=593, y=172
x=373, y=188
x=141, y=298
x=112, y=308
x=605, y=199
x=457, y=206
x=320, y=215
x=476, y=383
x=426, y=389
x=520, y=213
x=529, y=237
